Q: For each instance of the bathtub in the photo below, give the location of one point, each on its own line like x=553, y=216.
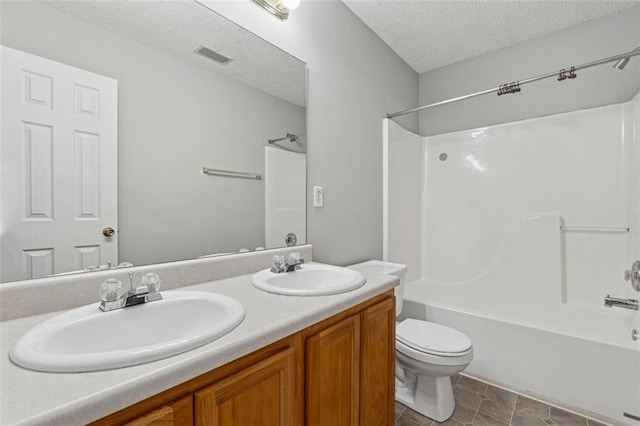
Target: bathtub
x=530, y=334
x=592, y=378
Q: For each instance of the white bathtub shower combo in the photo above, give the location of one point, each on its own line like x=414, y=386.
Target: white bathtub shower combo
x=514, y=234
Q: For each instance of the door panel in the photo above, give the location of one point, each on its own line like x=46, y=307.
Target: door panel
x=261, y=395
x=59, y=167
x=377, y=364
x=333, y=374
x=285, y=196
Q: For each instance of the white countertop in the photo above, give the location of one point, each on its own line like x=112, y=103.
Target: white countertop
x=29, y=397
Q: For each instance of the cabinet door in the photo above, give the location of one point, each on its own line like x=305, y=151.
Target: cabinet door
x=261, y=395
x=179, y=413
x=377, y=364
x=333, y=374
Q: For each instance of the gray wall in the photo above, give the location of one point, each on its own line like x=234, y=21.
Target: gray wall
x=354, y=81
x=583, y=43
x=174, y=118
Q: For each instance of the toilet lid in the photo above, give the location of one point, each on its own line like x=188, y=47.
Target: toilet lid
x=430, y=337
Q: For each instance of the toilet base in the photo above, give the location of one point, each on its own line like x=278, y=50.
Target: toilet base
x=430, y=396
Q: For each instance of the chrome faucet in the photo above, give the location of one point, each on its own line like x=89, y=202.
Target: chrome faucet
x=114, y=298
x=292, y=264
x=108, y=267
x=610, y=302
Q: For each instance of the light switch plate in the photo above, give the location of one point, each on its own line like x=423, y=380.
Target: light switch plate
x=318, y=196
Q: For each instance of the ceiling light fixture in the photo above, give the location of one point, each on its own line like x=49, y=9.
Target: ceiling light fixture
x=278, y=8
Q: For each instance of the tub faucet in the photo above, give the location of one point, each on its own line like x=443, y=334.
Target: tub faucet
x=610, y=302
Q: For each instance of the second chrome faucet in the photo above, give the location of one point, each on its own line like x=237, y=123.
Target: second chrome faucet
x=278, y=264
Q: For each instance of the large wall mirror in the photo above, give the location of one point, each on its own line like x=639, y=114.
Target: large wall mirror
x=110, y=113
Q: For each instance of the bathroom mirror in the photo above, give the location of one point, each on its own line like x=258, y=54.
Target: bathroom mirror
x=179, y=108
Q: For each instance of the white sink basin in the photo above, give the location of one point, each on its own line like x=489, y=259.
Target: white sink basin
x=87, y=339
x=313, y=279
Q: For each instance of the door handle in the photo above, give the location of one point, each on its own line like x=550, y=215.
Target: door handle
x=108, y=232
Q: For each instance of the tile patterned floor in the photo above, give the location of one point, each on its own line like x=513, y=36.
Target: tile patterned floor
x=479, y=404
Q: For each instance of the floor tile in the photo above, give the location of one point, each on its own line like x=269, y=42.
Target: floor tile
x=471, y=385
x=484, y=420
x=454, y=380
x=403, y=421
x=520, y=419
x=416, y=417
x=463, y=414
x=564, y=418
x=479, y=404
x=470, y=399
x=449, y=422
x=532, y=407
x=502, y=396
x=399, y=409
x=495, y=410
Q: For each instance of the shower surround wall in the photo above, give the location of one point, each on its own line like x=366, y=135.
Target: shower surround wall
x=510, y=250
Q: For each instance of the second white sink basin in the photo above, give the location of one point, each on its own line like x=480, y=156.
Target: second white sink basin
x=87, y=339
x=312, y=279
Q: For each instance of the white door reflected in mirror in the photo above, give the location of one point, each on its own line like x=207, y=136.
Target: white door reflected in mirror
x=59, y=150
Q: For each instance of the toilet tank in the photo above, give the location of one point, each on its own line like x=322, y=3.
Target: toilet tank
x=382, y=267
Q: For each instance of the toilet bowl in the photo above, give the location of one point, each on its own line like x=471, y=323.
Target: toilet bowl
x=427, y=354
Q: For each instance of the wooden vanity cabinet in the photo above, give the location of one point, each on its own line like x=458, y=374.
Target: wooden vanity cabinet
x=350, y=376
x=337, y=372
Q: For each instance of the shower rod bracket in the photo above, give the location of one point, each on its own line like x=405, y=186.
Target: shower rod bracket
x=290, y=136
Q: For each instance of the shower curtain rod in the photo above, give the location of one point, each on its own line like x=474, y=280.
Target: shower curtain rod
x=515, y=85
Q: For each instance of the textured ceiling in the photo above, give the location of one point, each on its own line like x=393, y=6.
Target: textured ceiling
x=178, y=27
x=429, y=34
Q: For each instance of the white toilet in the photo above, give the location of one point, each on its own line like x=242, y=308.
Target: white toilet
x=427, y=354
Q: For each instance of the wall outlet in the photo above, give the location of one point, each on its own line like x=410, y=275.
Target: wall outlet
x=318, y=196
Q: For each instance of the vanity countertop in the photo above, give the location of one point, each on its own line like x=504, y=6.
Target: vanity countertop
x=29, y=397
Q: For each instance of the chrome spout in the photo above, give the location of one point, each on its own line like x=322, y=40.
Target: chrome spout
x=610, y=302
